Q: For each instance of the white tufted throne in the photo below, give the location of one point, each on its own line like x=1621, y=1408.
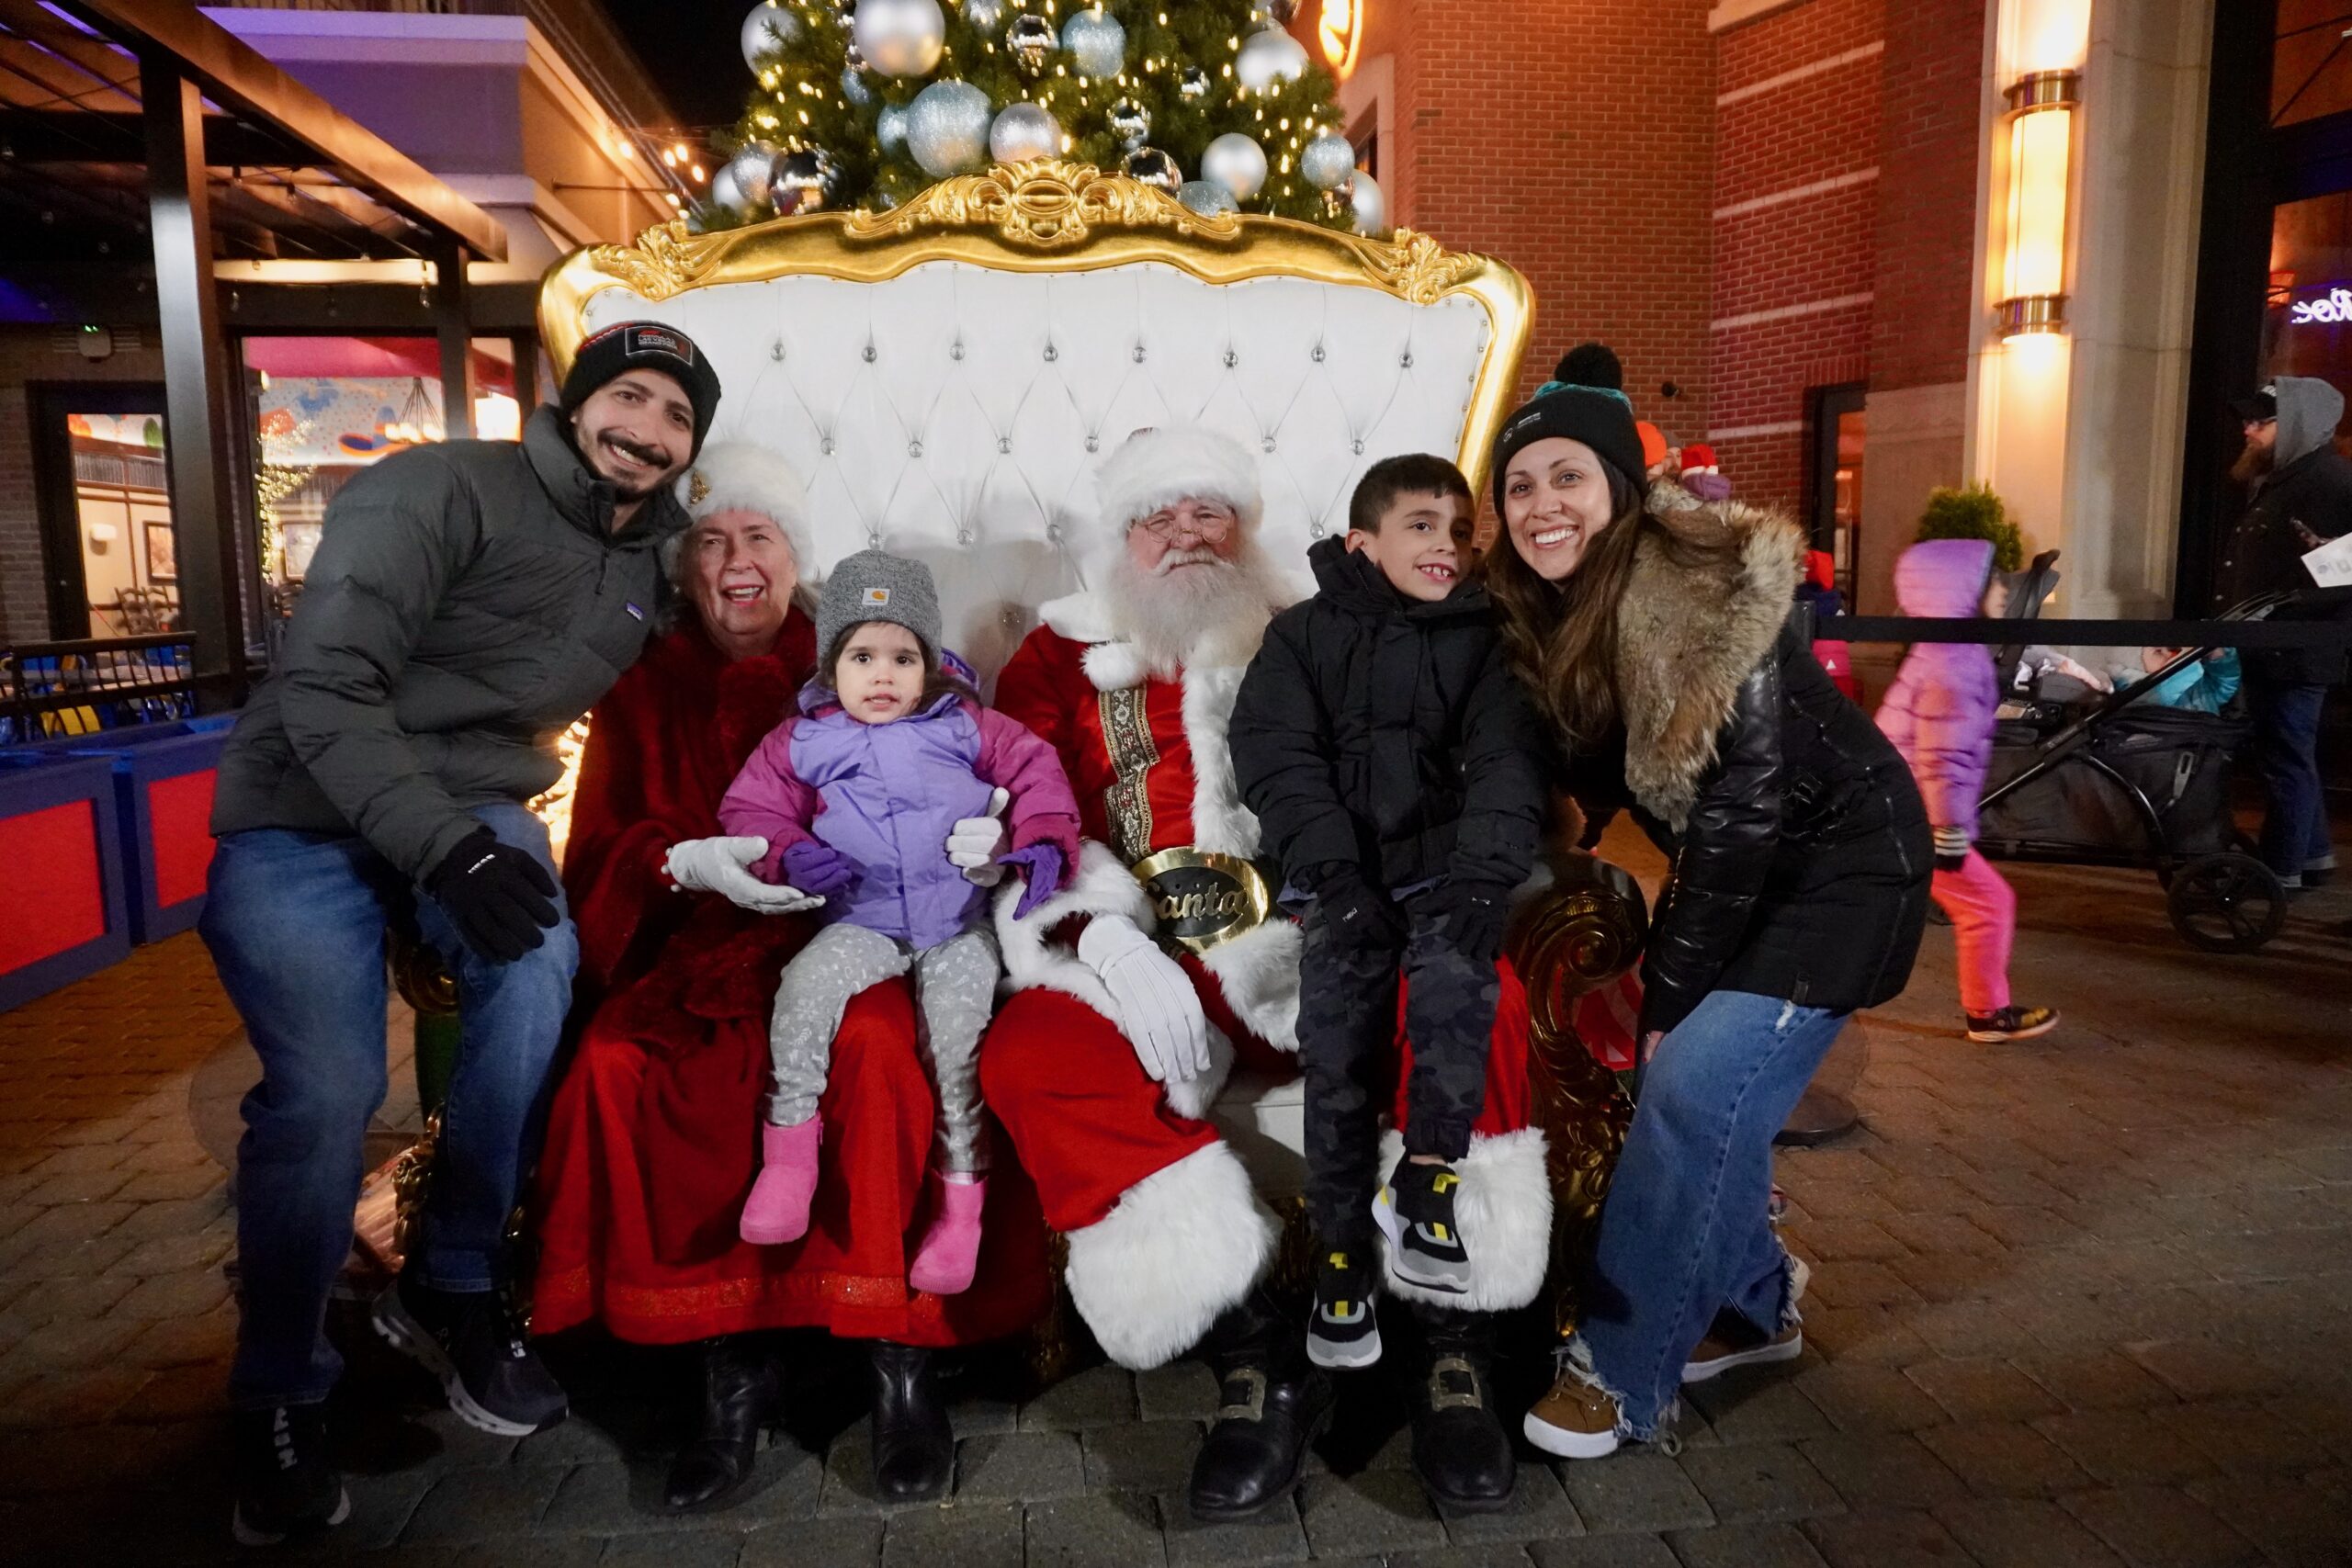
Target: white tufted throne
x=947, y=376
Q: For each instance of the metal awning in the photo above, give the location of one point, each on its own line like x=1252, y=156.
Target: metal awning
x=289, y=175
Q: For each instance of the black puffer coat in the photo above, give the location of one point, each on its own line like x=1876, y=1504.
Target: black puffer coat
x=2308, y=498
x=1801, y=850
x=1388, y=733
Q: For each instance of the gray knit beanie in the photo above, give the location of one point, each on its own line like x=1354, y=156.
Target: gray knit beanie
x=871, y=586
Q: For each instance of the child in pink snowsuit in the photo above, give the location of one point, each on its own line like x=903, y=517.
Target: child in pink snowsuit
x=1939, y=715
x=856, y=796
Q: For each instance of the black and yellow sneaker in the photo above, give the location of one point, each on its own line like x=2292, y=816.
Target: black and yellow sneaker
x=1415, y=1211
x=1342, y=1330
x=2011, y=1024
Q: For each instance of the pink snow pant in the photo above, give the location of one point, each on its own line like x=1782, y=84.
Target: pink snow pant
x=1984, y=911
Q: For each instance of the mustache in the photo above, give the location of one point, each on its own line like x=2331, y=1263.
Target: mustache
x=654, y=456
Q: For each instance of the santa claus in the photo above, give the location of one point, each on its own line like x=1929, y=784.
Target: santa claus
x=1166, y=961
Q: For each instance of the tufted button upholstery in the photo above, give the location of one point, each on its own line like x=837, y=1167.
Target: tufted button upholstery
x=957, y=414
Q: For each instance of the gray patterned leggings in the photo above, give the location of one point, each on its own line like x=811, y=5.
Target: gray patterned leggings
x=954, y=993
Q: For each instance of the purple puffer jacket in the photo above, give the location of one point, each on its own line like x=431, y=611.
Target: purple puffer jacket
x=1939, y=713
x=885, y=796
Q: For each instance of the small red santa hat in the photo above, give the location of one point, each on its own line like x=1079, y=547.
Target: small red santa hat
x=1699, y=457
x=1159, y=467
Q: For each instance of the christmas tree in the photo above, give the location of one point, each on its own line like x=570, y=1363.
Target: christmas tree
x=863, y=103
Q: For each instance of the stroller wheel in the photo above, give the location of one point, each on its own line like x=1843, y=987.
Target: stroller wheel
x=2226, y=903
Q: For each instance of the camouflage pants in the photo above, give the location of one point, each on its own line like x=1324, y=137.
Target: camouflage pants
x=1347, y=1031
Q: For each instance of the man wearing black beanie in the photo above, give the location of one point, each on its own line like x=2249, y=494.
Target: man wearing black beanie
x=468, y=601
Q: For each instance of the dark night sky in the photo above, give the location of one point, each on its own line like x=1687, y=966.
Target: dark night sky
x=690, y=52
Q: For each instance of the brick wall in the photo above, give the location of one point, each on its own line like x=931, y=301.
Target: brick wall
x=1927, y=216
x=28, y=353
x=1573, y=139
x=1795, y=218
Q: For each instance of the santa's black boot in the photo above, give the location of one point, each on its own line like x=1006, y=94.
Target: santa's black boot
x=914, y=1447
x=1271, y=1403
x=741, y=1392
x=1460, y=1450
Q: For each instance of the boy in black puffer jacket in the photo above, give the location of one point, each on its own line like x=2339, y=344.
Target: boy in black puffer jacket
x=1385, y=747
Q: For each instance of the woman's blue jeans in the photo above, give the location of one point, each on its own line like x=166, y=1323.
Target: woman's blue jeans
x=1684, y=1235
x=296, y=922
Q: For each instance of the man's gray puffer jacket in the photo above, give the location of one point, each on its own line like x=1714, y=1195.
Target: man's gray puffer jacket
x=468, y=602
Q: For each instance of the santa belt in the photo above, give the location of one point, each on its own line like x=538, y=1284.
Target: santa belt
x=1204, y=899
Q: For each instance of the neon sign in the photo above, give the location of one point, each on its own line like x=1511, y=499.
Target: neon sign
x=2330, y=308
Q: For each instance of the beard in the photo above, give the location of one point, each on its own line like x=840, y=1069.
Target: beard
x=2253, y=463
x=1171, y=615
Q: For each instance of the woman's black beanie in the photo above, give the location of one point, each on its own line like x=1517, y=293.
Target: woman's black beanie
x=1579, y=405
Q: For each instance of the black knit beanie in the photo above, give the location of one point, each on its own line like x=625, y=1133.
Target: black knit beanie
x=1582, y=406
x=650, y=346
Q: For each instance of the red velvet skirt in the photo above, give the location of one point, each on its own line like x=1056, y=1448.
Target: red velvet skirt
x=637, y=1232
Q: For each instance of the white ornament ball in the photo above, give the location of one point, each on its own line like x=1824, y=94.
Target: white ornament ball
x=1236, y=163
x=750, y=171
x=983, y=14
x=901, y=38
x=1097, y=43
x=891, y=131
x=948, y=128
x=1328, y=162
x=1206, y=197
x=1268, y=58
x=768, y=28
x=724, y=191
x=1023, y=131
x=1368, y=205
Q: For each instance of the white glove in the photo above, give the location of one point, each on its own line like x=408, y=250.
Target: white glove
x=974, y=843
x=718, y=866
x=1158, y=1010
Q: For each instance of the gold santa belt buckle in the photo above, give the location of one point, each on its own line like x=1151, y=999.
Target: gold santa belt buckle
x=1202, y=898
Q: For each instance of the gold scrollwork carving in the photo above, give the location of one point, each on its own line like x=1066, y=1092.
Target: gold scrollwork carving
x=1047, y=203
x=667, y=260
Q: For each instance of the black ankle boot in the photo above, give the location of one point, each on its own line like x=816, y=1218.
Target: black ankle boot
x=742, y=1392
x=1271, y=1402
x=914, y=1452
x=1460, y=1450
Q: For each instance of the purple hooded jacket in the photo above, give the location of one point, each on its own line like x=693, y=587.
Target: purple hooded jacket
x=885, y=796
x=1939, y=713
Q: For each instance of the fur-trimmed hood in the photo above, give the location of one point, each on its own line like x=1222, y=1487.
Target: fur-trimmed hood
x=1688, y=634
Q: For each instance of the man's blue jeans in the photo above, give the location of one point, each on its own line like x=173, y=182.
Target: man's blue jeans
x=2286, y=750
x=296, y=922
x=1684, y=1234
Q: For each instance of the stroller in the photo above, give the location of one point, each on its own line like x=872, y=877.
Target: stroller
x=2095, y=779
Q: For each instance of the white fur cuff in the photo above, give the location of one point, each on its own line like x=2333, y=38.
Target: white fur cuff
x=1178, y=1248
x=1503, y=1209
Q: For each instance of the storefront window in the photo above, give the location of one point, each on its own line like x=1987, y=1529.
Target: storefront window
x=123, y=515
x=2307, y=331
x=2310, y=66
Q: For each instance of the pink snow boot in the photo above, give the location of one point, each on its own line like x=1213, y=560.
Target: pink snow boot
x=777, y=1210
x=950, y=1251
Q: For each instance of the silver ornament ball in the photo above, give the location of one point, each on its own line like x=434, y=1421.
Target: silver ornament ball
x=1236, y=163
x=855, y=90
x=725, y=192
x=1023, y=131
x=1193, y=82
x=768, y=28
x=803, y=181
x=1130, y=122
x=1030, y=40
x=1097, y=43
x=1328, y=162
x=748, y=169
x=1155, y=168
x=948, y=128
x=901, y=38
x=1273, y=13
x=1367, y=205
x=1206, y=197
x=983, y=14
x=891, y=131
x=1268, y=58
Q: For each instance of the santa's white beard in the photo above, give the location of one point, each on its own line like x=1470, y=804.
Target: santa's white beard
x=1193, y=599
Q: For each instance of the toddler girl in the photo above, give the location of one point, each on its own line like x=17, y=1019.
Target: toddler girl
x=856, y=796
x=1939, y=715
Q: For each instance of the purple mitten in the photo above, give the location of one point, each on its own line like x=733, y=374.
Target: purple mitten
x=1043, y=866
x=819, y=870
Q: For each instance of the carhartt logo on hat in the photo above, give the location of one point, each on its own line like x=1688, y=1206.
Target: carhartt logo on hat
x=876, y=596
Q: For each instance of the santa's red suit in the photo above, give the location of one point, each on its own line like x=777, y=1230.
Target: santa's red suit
x=1165, y=1230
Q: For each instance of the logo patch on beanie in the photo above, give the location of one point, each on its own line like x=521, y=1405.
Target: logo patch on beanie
x=877, y=597
x=643, y=337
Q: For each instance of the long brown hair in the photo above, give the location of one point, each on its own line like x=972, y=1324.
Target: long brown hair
x=1561, y=636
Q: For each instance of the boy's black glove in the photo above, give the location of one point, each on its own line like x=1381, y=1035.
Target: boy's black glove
x=1361, y=917
x=500, y=900
x=1474, y=916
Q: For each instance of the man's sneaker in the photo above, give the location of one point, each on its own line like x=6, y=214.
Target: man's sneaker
x=471, y=1342
x=1342, y=1330
x=1575, y=1420
x=1415, y=1211
x=286, y=1483
x=1719, y=1353
x=2011, y=1024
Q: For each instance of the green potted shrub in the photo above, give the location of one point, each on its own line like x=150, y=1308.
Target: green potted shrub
x=1974, y=512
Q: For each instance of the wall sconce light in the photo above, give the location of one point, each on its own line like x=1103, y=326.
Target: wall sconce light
x=2041, y=131
x=1341, y=32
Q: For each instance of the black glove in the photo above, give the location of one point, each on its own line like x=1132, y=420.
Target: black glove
x=500, y=900
x=1360, y=916
x=1474, y=916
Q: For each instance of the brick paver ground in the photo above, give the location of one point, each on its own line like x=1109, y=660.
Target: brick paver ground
x=2081, y=1301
